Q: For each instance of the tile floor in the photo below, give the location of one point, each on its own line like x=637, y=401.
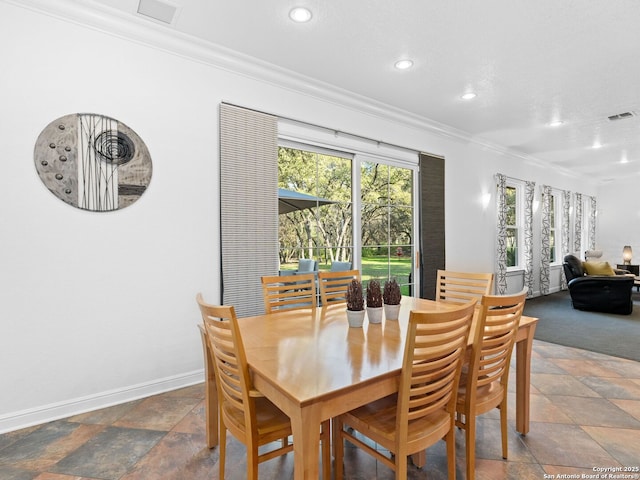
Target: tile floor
x=585, y=414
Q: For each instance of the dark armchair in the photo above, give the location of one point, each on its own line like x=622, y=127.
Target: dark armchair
x=598, y=293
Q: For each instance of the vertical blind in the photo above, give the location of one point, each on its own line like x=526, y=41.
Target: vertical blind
x=248, y=205
x=432, y=222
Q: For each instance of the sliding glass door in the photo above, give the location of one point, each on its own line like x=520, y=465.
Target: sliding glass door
x=387, y=223
x=338, y=208
x=316, y=215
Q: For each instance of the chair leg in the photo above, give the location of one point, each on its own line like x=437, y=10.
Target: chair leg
x=503, y=428
x=470, y=445
x=252, y=463
x=335, y=436
x=222, y=454
x=325, y=438
x=338, y=448
x=450, y=438
x=401, y=466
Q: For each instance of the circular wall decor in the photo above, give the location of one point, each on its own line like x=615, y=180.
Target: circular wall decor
x=92, y=162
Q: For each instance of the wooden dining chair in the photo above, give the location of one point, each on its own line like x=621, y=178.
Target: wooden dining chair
x=461, y=287
x=483, y=384
x=244, y=411
x=333, y=285
x=289, y=292
x=211, y=416
x=423, y=410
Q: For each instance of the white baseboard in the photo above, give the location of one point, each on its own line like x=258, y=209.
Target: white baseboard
x=55, y=411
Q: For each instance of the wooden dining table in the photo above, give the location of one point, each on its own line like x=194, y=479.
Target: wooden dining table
x=313, y=366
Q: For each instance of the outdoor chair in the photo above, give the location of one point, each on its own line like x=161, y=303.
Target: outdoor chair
x=340, y=266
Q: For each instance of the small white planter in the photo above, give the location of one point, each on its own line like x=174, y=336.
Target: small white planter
x=374, y=314
x=391, y=311
x=355, y=318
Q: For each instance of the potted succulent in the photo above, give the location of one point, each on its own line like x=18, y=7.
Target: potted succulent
x=392, y=297
x=355, y=304
x=374, y=301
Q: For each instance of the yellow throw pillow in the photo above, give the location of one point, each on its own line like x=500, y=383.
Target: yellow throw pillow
x=598, y=268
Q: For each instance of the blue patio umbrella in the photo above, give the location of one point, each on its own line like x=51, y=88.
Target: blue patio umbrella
x=290, y=201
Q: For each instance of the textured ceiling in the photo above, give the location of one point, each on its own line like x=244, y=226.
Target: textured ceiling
x=528, y=61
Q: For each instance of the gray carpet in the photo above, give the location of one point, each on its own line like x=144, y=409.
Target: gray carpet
x=617, y=335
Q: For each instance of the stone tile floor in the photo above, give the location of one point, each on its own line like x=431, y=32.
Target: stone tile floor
x=585, y=414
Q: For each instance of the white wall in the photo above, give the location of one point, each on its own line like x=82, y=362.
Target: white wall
x=619, y=219
x=99, y=308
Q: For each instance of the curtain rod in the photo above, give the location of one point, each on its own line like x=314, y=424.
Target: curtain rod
x=554, y=188
x=333, y=130
x=513, y=178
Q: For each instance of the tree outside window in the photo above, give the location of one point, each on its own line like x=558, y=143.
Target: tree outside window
x=512, y=221
x=324, y=232
x=552, y=230
x=387, y=222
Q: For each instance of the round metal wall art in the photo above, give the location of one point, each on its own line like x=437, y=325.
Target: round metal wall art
x=93, y=162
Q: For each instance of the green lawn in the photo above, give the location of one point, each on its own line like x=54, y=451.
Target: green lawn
x=377, y=268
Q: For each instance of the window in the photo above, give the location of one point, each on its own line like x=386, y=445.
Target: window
x=552, y=229
x=387, y=223
x=315, y=214
x=586, y=224
x=379, y=240
x=513, y=230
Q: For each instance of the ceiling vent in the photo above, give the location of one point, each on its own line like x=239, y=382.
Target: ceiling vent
x=621, y=116
x=158, y=10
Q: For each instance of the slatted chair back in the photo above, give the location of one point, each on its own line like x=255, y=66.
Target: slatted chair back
x=423, y=411
x=211, y=417
x=462, y=287
x=333, y=285
x=483, y=385
x=289, y=292
x=244, y=411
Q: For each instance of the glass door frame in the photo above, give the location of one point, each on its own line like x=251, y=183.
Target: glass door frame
x=296, y=134
x=356, y=168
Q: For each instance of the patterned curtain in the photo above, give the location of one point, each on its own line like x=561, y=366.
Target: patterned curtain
x=592, y=225
x=577, y=225
x=501, y=236
x=528, y=237
x=545, y=252
x=566, y=230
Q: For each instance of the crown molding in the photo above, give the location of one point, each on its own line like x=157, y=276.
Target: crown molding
x=138, y=29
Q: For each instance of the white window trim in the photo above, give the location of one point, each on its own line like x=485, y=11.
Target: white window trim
x=309, y=137
x=586, y=223
x=557, y=215
x=519, y=186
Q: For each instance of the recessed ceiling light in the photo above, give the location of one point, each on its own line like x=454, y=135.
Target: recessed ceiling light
x=404, y=64
x=300, y=14
x=556, y=123
x=468, y=96
x=596, y=145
